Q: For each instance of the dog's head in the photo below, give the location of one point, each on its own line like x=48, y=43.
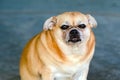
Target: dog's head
x=71, y=27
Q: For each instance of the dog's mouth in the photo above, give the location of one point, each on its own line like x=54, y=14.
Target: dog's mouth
x=74, y=36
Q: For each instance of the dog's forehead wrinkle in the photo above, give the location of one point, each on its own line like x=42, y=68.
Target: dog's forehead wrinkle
x=72, y=18
x=66, y=23
x=72, y=23
x=76, y=21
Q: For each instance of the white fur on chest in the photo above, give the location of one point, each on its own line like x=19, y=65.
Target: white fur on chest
x=66, y=71
x=63, y=71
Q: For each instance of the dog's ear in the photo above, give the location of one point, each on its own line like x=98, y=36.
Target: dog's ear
x=91, y=21
x=49, y=23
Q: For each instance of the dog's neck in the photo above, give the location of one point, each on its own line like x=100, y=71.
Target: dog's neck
x=74, y=49
x=78, y=49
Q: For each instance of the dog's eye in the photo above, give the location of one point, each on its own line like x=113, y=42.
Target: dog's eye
x=63, y=27
x=82, y=26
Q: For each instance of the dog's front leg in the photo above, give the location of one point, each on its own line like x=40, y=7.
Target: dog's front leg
x=81, y=74
x=47, y=74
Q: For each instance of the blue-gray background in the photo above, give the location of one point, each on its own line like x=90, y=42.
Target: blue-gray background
x=22, y=19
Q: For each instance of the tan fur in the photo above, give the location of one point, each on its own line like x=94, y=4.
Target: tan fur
x=46, y=55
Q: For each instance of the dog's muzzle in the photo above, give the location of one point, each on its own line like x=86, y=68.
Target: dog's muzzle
x=74, y=36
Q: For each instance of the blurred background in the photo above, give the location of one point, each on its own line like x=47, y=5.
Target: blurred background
x=20, y=20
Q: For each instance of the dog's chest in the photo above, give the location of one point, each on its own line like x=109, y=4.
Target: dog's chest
x=64, y=71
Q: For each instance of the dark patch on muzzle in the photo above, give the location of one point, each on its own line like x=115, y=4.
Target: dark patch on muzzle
x=74, y=36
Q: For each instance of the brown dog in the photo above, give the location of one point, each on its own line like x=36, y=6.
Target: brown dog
x=62, y=51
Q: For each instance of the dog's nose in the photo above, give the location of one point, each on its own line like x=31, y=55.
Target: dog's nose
x=74, y=32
